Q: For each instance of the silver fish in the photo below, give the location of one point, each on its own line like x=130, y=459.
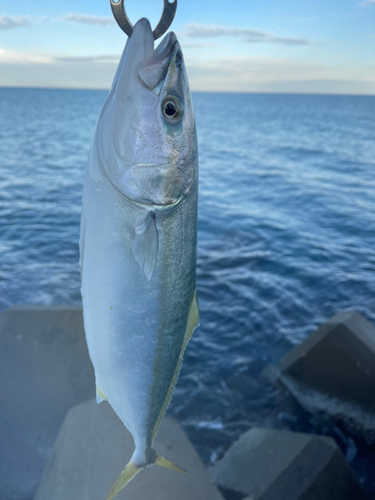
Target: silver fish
x=138, y=239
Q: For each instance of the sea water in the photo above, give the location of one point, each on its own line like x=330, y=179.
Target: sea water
x=286, y=238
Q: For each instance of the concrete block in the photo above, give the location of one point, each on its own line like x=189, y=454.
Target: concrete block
x=93, y=447
x=44, y=369
x=337, y=362
x=266, y=464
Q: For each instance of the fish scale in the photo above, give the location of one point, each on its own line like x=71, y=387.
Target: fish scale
x=138, y=240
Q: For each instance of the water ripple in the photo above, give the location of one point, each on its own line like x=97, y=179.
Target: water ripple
x=286, y=234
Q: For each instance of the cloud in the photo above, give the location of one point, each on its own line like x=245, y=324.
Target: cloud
x=10, y=22
x=249, y=70
x=257, y=74
x=232, y=74
x=42, y=69
x=104, y=59
x=366, y=3
x=194, y=30
x=23, y=57
x=188, y=45
x=19, y=57
x=90, y=19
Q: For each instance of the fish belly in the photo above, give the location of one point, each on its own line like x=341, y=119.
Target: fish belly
x=135, y=326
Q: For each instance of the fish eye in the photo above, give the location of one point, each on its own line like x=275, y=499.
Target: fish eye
x=172, y=109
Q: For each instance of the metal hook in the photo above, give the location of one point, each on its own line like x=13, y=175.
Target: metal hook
x=123, y=21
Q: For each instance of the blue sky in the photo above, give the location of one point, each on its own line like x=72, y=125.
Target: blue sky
x=246, y=45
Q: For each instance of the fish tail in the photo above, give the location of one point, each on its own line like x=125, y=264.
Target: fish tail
x=163, y=462
x=125, y=477
x=132, y=470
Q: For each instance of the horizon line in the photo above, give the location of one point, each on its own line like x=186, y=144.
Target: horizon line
x=102, y=89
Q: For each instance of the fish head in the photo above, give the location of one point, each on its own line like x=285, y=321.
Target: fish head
x=146, y=131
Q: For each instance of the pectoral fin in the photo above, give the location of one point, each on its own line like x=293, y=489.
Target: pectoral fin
x=145, y=244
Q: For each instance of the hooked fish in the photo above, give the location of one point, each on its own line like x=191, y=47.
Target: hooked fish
x=138, y=239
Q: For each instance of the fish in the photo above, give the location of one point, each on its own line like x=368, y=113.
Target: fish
x=138, y=243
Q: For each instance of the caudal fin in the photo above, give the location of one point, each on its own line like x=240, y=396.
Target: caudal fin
x=124, y=478
x=163, y=462
x=131, y=470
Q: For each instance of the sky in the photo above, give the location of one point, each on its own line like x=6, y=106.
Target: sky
x=318, y=46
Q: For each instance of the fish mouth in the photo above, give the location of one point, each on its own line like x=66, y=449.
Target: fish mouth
x=153, y=72
x=165, y=48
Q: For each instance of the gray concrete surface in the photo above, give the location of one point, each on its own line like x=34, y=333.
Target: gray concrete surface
x=93, y=447
x=44, y=370
x=267, y=464
x=337, y=360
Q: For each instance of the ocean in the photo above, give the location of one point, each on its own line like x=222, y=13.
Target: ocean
x=286, y=238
